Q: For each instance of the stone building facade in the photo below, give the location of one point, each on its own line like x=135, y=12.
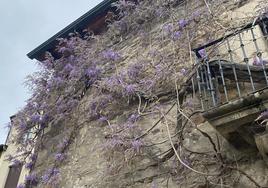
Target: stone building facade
x=85, y=163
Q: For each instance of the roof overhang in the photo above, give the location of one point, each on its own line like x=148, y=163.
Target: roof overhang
x=78, y=25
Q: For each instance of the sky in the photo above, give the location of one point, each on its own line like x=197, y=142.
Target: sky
x=25, y=24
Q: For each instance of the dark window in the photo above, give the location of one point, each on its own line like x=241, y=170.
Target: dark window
x=2, y=149
x=13, y=176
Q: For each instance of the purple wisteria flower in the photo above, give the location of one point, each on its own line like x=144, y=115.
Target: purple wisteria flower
x=94, y=112
x=159, y=69
x=21, y=186
x=114, y=142
x=64, y=50
x=148, y=84
x=202, y=53
x=57, y=82
x=133, y=118
x=72, y=103
x=29, y=165
x=263, y=115
x=35, y=118
x=71, y=43
x=168, y=28
x=33, y=157
x=68, y=68
x=60, y=157
x=134, y=71
x=103, y=119
x=130, y=89
x=60, y=107
x=186, y=161
x=136, y=145
x=63, y=143
x=131, y=126
x=47, y=63
x=45, y=178
x=71, y=58
x=75, y=73
x=182, y=23
x=44, y=119
x=32, y=179
x=22, y=126
x=51, y=176
x=93, y=74
x=118, y=79
x=176, y=35
x=111, y=55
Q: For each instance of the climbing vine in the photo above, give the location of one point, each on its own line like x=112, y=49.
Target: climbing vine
x=116, y=74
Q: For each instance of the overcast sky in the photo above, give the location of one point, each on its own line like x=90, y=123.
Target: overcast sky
x=24, y=24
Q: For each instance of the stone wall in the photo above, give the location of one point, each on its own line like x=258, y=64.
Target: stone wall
x=86, y=164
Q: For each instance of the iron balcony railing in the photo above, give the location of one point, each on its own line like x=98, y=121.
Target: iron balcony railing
x=231, y=67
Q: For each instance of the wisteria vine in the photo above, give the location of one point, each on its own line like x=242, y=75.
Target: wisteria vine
x=116, y=74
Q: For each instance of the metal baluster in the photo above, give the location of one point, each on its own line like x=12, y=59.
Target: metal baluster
x=206, y=78
x=193, y=87
x=246, y=61
x=205, y=84
x=206, y=87
x=233, y=67
x=198, y=83
x=222, y=78
x=259, y=54
x=200, y=90
x=212, y=91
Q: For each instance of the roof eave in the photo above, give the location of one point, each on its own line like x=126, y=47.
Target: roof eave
x=90, y=15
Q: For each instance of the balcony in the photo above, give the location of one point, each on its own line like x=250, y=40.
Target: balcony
x=231, y=84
